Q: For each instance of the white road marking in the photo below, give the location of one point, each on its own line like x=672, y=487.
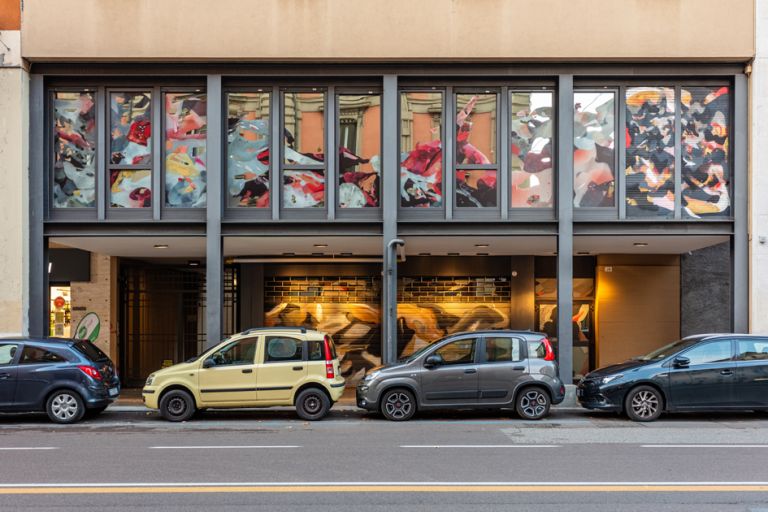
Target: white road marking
x=480, y=446
x=20, y=448
x=704, y=446
x=213, y=447
x=361, y=484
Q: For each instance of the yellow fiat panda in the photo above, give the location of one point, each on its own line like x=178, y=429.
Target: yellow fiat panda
x=261, y=367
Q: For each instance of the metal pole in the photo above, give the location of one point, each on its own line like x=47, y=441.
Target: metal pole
x=565, y=228
x=389, y=197
x=214, y=265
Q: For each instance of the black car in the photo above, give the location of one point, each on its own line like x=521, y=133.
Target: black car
x=65, y=378
x=698, y=373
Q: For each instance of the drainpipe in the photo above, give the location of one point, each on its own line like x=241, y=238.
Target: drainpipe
x=389, y=350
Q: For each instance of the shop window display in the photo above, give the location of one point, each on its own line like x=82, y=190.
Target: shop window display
x=303, y=151
x=531, y=133
x=130, y=179
x=594, y=149
x=248, y=158
x=359, y=161
x=186, y=126
x=421, y=157
x=74, y=149
x=476, y=135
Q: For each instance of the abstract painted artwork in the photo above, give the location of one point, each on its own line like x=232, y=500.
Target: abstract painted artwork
x=359, y=163
x=531, y=126
x=476, y=146
x=705, y=118
x=650, y=151
x=304, y=137
x=594, y=149
x=186, y=125
x=74, y=150
x=130, y=149
x=421, y=158
x=248, y=149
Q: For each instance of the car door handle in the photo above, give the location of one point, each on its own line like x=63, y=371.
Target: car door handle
x=470, y=370
x=248, y=370
x=298, y=368
x=518, y=367
x=4, y=376
x=726, y=372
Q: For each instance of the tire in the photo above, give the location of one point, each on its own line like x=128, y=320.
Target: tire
x=643, y=403
x=65, y=406
x=532, y=403
x=312, y=404
x=177, y=405
x=398, y=405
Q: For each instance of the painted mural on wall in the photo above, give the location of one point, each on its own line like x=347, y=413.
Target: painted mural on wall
x=594, y=149
x=74, y=149
x=650, y=151
x=705, y=119
x=186, y=126
x=531, y=150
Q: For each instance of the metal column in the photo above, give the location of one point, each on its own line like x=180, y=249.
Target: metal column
x=565, y=227
x=390, y=173
x=36, y=310
x=740, y=246
x=214, y=264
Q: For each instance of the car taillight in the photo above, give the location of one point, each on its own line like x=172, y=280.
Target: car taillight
x=90, y=371
x=549, y=354
x=329, y=374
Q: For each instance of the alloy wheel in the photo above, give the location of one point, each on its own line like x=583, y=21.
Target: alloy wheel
x=533, y=403
x=645, y=404
x=398, y=405
x=64, y=406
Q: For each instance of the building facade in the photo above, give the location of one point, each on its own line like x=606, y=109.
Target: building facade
x=389, y=172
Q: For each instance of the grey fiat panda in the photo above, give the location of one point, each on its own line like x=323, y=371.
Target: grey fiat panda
x=480, y=369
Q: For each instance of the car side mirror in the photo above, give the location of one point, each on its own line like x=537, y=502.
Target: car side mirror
x=209, y=363
x=681, y=362
x=433, y=360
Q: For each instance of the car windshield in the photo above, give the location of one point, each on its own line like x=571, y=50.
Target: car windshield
x=668, y=350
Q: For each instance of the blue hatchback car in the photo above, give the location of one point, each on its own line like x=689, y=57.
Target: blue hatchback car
x=65, y=378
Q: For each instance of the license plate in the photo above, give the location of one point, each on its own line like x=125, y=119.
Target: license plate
x=113, y=392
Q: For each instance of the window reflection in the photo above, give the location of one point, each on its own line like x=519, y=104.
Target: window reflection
x=304, y=143
x=186, y=126
x=531, y=128
x=130, y=137
x=594, y=150
x=74, y=150
x=421, y=157
x=359, y=135
x=476, y=147
x=248, y=149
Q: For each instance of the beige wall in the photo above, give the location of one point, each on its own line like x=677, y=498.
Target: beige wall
x=14, y=193
x=637, y=305
x=469, y=30
x=99, y=295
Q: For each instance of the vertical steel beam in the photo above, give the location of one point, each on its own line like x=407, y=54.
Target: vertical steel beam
x=157, y=152
x=565, y=227
x=35, y=313
x=678, y=174
x=214, y=263
x=740, y=246
x=331, y=152
x=503, y=151
x=102, y=171
x=389, y=198
x=275, y=152
x=449, y=145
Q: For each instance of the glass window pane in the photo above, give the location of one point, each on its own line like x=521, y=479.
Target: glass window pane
x=705, y=120
x=241, y=352
x=303, y=188
x=531, y=127
x=475, y=129
x=502, y=349
x=594, y=149
x=359, y=133
x=130, y=188
x=421, y=157
x=130, y=128
x=457, y=352
x=281, y=349
x=715, y=352
x=304, y=127
x=248, y=149
x=74, y=150
x=650, y=151
x=186, y=125
x=476, y=188
x=753, y=350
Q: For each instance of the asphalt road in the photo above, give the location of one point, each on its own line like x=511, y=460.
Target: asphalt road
x=128, y=459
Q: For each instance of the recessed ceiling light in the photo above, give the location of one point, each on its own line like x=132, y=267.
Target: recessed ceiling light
x=193, y=263
x=640, y=244
x=321, y=245
x=161, y=246
x=481, y=245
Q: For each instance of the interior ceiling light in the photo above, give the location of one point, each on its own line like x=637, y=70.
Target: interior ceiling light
x=161, y=246
x=321, y=245
x=481, y=245
x=640, y=244
x=193, y=263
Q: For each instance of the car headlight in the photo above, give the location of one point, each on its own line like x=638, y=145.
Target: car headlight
x=370, y=376
x=611, y=378
x=150, y=379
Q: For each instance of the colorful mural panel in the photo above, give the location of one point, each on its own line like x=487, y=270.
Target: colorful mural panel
x=476, y=188
x=74, y=150
x=131, y=128
x=531, y=172
x=650, y=151
x=186, y=126
x=359, y=136
x=421, y=158
x=705, y=122
x=476, y=145
x=248, y=149
x=130, y=189
x=594, y=149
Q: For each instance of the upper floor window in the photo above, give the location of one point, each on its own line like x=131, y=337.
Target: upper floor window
x=421, y=151
x=74, y=149
x=248, y=149
x=130, y=149
x=531, y=161
x=303, y=173
x=186, y=127
x=594, y=149
x=475, y=154
x=359, y=149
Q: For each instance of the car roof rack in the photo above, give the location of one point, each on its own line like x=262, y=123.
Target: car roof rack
x=302, y=330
